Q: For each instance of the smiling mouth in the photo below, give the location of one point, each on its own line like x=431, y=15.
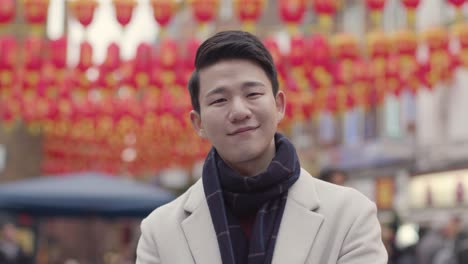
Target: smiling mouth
x=242, y=130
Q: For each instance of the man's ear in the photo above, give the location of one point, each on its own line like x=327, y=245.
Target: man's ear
x=197, y=124
x=280, y=104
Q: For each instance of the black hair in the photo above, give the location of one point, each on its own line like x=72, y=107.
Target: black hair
x=226, y=45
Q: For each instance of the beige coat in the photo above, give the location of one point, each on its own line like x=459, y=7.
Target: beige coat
x=322, y=224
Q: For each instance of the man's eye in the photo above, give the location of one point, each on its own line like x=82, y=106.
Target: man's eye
x=254, y=94
x=218, y=101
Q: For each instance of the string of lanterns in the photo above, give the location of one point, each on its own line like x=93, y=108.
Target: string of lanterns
x=132, y=114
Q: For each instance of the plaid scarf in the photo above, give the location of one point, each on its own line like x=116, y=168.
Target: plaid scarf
x=229, y=194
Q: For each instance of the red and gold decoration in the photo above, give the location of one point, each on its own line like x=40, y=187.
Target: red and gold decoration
x=204, y=11
x=458, y=4
x=460, y=31
x=130, y=115
x=163, y=11
x=124, y=11
x=440, y=63
x=376, y=8
x=292, y=13
x=409, y=69
x=248, y=12
x=35, y=13
x=411, y=7
x=83, y=10
x=7, y=12
x=326, y=10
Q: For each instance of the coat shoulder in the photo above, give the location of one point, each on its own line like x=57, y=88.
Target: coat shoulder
x=170, y=213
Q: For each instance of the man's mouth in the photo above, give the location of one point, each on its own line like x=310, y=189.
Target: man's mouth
x=242, y=130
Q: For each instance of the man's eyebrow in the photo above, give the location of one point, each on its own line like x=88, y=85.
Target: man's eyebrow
x=217, y=90
x=250, y=84
x=245, y=85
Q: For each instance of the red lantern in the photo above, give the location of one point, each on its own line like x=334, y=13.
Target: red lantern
x=278, y=58
x=318, y=62
x=376, y=7
x=297, y=51
x=457, y=3
x=168, y=54
x=7, y=11
x=411, y=4
x=204, y=11
x=345, y=46
x=191, y=52
x=377, y=44
x=86, y=57
x=458, y=6
x=8, y=47
x=163, y=11
x=292, y=12
x=461, y=32
x=83, y=10
x=8, y=60
x=319, y=51
x=440, y=60
x=124, y=11
x=59, y=52
x=328, y=7
x=35, y=11
x=34, y=49
x=406, y=44
x=142, y=66
x=325, y=9
x=249, y=11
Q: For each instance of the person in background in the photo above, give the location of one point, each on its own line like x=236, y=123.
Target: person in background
x=333, y=175
x=254, y=202
x=10, y=250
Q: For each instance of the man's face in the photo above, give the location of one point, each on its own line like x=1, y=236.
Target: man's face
x=238, y=112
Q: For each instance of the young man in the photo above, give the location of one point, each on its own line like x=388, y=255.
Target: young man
x=254, y=203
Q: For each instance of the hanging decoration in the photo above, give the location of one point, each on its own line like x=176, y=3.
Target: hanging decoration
x=409, y=69
x=35, y=14
x=326, y=10
x=460, y=31
x=411, y=7
x=8, y=62
x=7, y=12
x=376, y=8
x=163, y=11
x=248, y=12
x=440, y=62
x=458, y=4
x=124, y=10
x=83, y=10
x=346, y=49
x=292, y=13
x=204, y=11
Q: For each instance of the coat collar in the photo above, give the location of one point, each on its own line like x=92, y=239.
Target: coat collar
x=300, y=223
x=298, y=228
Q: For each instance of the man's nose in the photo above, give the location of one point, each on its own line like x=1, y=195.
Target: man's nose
x=239, y=110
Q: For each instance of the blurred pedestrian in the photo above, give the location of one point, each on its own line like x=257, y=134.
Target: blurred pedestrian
x=333, y=175
x=10, y=250
x=254, y=203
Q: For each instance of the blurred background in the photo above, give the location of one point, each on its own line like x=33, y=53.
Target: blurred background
x=94, y=128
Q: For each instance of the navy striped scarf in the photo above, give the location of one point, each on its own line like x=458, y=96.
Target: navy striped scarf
x=229, y=194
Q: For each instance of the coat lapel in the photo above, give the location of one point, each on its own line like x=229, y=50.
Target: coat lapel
x=300, y=224
x=198, y=228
